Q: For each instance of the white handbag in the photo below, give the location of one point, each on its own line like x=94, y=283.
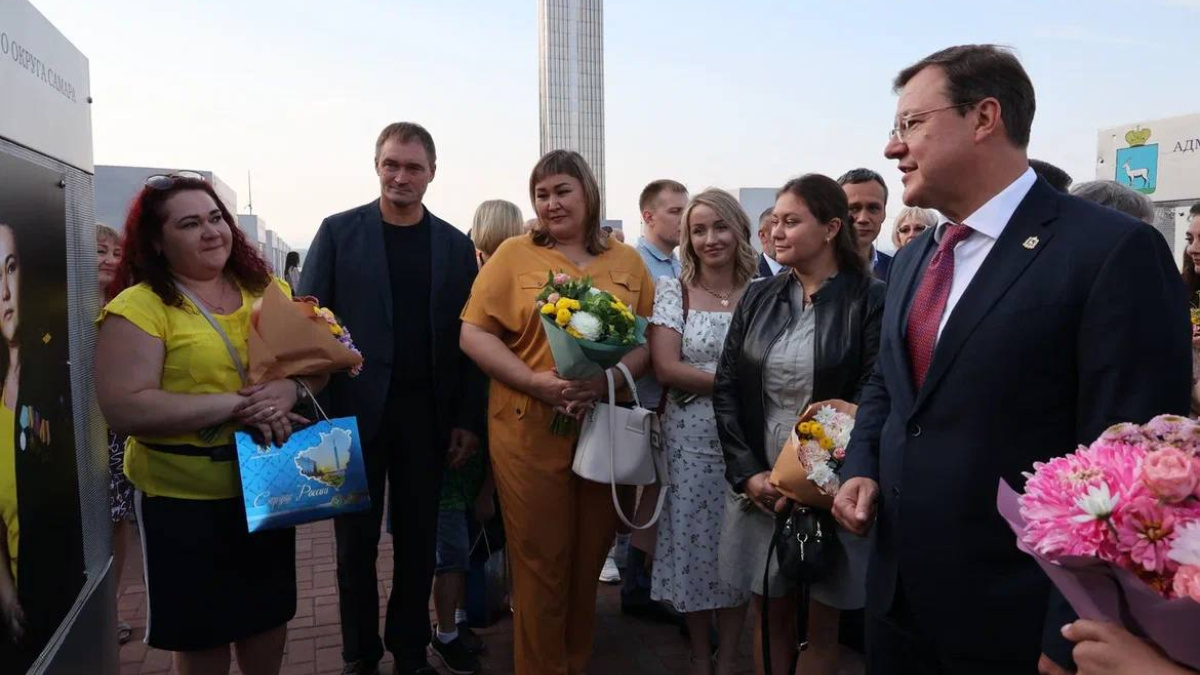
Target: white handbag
x=622, y=446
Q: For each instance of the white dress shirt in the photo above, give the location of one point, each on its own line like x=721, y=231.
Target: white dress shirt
x=775, y=267
x=987, y=224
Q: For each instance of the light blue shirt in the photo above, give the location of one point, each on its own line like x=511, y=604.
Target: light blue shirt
x=659, y=265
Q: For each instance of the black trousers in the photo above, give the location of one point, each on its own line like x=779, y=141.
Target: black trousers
x=896, y=645
x=410, y=454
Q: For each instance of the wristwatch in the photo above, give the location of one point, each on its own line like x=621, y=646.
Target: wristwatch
x=301, y=391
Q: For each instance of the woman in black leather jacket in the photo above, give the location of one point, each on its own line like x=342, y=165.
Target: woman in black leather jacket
x=808, y=334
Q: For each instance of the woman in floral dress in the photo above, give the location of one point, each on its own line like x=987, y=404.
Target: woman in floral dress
x=691, y=316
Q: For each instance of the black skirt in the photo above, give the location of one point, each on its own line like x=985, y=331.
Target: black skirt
x=209, y=581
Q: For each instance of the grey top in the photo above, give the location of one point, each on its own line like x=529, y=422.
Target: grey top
x=788, y=371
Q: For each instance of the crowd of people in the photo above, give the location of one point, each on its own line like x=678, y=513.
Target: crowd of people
x=1014, y=322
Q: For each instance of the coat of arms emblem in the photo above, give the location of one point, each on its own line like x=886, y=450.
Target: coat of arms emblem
x=1137, y=165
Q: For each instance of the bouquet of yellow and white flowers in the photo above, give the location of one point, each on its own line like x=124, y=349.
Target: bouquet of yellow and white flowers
x=589, y=330
x=807, y=468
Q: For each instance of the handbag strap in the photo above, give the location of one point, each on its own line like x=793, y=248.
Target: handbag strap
x=612, y=392
x=662, y=401
x=657, y=455
x=212, y=320
x=803, y=592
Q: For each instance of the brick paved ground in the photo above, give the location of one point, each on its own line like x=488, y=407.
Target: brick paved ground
x=624, y=646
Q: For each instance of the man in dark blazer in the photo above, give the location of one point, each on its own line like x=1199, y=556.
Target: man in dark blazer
x=1022, y=327
x=867, y=194
x=767, y=267
x=881, y=264
x=398, y=276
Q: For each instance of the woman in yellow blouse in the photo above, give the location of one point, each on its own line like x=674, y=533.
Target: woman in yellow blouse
x=41, y=546
x=166, y=377
x=559, y=526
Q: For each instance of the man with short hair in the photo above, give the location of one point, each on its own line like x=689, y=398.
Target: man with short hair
x=399, y=276
x=767, y=267
x=1028, y=323
x=1057, y=178
x=867, y=194
x=661, y=203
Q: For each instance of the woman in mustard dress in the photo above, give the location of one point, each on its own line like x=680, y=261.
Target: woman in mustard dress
x=559, y=526
x=166, y=377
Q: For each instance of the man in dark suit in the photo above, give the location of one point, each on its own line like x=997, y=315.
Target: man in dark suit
x=399, y=276
x=767, y=267
x=867, y=194
x=1024, y=324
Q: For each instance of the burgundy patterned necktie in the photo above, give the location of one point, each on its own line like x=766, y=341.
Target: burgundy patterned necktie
x=929, y=303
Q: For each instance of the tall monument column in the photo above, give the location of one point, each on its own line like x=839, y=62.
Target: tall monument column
x=571, y=80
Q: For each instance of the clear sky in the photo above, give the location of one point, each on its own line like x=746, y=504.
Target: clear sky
x=712, y=93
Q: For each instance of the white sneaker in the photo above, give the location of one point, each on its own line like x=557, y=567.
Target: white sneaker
x=610, y=574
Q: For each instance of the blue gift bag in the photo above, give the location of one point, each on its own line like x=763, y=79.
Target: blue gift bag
x=317, y=474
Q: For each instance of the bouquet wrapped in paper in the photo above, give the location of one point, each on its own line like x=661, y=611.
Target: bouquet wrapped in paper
x=807, y=468
x=292, y=338
x=589, y=330
x=1116, y=527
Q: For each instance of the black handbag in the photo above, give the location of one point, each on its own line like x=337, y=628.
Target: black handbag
x=803, y=546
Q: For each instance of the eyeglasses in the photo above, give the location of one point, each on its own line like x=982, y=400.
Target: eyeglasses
x=906, y=124
x=168, y=181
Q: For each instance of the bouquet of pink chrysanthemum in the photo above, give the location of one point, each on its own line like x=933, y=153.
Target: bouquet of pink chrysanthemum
x=1125, y=509
x=1123, y=499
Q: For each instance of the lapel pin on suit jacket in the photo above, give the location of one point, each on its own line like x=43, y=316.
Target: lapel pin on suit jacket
x=1031, y=243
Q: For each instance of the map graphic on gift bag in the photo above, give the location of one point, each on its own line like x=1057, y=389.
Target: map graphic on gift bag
x=326, y=463
x=317, y=474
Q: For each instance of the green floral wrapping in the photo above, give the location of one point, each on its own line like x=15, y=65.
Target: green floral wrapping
x=577, y=359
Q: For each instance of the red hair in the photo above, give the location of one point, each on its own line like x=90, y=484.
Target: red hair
x=141, y=261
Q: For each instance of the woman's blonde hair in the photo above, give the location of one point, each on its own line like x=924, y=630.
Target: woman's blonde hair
x=106, y=233
x=569, y=163
x=926, y=216
x=729, y=211
x=495, y=221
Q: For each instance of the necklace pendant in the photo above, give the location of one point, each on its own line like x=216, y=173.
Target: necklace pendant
x=724, y=302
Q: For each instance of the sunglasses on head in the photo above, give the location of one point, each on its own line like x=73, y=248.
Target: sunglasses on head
x=168, y=181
